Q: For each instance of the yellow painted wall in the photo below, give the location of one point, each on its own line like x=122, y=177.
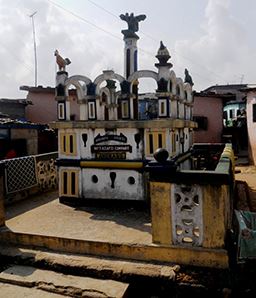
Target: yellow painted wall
x=161, y=212
x=216, y=212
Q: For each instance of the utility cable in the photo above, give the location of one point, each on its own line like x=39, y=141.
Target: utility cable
x=109, y=33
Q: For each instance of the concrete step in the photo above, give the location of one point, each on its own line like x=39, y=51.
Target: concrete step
x=13, y=291
x=88, y=265
x=58, y=283
x=183, y=255
x=145, y=279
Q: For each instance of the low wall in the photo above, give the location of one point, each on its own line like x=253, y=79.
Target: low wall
x=28, y=175
x=193, y=207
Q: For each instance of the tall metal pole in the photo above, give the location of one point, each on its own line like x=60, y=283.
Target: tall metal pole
x=34, y=38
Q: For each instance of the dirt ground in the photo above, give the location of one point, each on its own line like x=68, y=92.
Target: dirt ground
x=246, y=187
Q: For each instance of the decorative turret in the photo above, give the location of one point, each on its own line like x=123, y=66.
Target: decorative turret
x=163, y=56
x=163, y=68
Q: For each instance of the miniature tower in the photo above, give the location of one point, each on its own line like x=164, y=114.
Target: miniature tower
x=130, y=39
x=163, y=65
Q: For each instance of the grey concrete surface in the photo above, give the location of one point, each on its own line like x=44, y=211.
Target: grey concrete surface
x=13, y=291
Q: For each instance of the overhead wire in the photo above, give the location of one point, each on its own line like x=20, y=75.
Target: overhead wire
x=117, y=37
x=28, y=66
x=154, y=39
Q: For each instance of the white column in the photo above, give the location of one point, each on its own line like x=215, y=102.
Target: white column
x=130, y=56
x=67, y=109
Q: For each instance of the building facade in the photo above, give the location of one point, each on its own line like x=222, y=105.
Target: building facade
x=251, y=122
x=208, y=113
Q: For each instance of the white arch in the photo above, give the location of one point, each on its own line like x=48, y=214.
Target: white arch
x=142, y=74
x=172, y=78
x=107, y=92
x=179, y=83
x=78, y=78
x=81, y=89
x=188, y=89
x=107, y=75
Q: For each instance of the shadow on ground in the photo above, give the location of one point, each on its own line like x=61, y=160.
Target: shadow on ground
x=28, y=204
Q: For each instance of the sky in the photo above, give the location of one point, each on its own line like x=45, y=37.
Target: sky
x=213, y=39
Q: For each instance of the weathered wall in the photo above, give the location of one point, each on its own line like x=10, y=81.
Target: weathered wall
x=31, y=136
x=15, y=109
x=190, y=211
x=215, y=218
x=44, y=107
x=161, y=212
x=210, y=107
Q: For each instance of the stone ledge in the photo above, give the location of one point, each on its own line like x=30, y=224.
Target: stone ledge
x=194, y=256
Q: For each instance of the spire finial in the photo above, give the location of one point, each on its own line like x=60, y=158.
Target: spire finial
x=163, y=54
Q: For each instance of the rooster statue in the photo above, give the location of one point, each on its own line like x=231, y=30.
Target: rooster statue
x=61, y=61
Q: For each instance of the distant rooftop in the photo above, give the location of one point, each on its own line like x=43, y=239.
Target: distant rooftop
x=42, y=89
x=236, y=90
x=250, y=87
x=219, y=88
x=38, y=89
x=15, y=123
x=9, y=100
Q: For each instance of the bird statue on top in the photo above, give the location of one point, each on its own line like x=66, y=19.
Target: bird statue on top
x=188, y=78
x=62, y=62
x=133, y=24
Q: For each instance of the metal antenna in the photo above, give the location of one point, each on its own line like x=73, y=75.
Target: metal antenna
x=242, y=78
x=34, y=38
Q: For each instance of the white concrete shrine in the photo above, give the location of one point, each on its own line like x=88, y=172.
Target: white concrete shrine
x=103, y=154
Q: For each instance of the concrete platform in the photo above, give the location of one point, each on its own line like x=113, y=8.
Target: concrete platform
x=110, y=230
x=44, y=215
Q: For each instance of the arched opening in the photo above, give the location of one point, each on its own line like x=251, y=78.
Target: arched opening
x=104, y=100
x=178, y=90
x=108, y=91
x=145, y=102
x=170, y=86
x=73, y=100
x=104, y=97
